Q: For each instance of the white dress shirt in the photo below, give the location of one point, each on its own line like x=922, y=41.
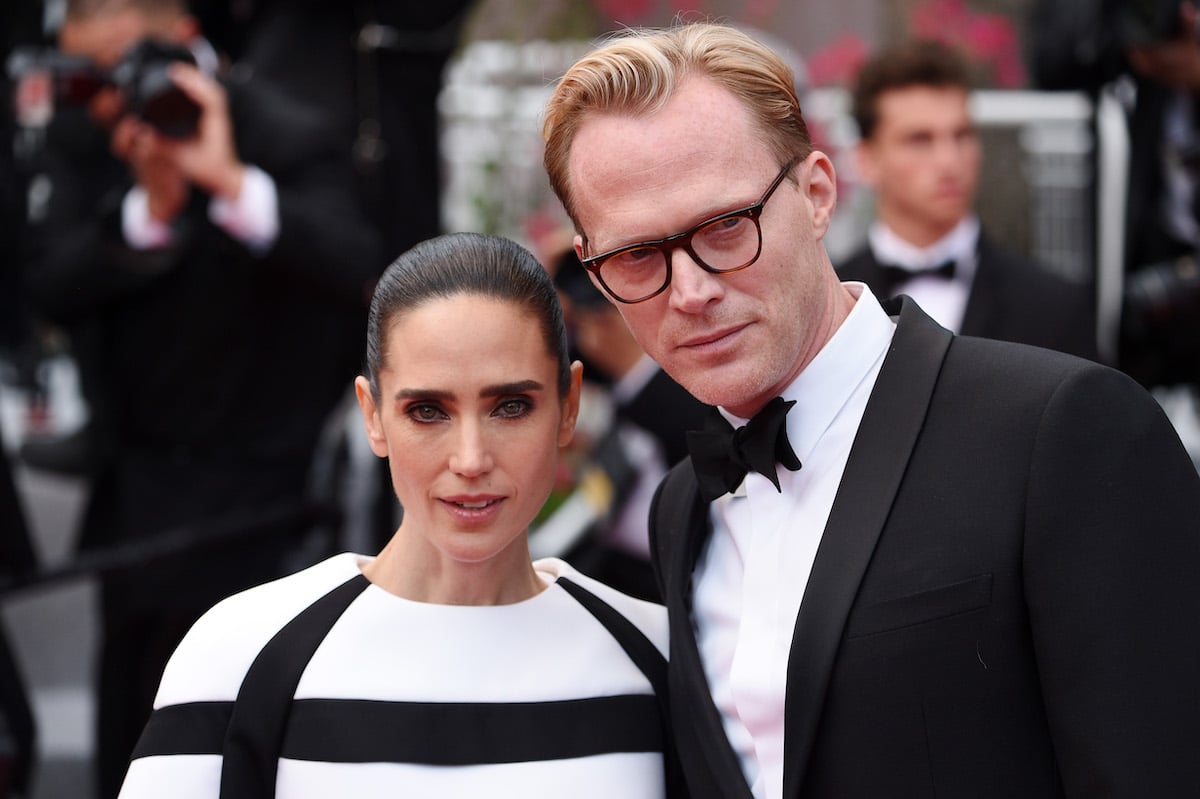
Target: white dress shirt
x=944, y=300
x=253, y=218
x=751, y=576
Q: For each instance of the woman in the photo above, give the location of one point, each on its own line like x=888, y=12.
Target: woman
x=448, y=665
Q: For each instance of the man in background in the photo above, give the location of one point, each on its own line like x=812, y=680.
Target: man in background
x=920, y=152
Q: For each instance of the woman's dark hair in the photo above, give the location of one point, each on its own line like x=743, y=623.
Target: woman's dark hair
x=465, y=263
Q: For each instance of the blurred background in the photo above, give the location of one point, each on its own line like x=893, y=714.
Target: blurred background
x=466, y=153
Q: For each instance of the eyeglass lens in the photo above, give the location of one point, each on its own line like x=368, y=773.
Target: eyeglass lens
x=722, y=245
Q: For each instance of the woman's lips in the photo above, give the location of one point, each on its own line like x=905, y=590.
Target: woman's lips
x=473, y=509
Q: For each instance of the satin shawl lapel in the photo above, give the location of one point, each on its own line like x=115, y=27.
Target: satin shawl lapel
x=682, y=528
x=890, y=426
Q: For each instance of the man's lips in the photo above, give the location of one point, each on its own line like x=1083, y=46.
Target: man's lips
x=711, y=338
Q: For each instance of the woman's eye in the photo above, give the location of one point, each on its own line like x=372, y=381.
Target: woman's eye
x=513, y=408
x=425, y=413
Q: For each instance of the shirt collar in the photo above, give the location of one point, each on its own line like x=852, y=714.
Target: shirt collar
x=959, y=245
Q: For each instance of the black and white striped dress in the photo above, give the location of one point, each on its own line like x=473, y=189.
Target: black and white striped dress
x=404, y=698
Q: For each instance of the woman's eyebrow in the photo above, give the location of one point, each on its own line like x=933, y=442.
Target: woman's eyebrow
x=517, y=387
x=423, y=393
x=499, y=389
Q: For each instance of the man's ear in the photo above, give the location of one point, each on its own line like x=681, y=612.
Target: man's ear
x=370, y=413
x=577, y=242
x=820, y=186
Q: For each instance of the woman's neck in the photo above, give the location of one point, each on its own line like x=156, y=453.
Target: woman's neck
x=422, y=574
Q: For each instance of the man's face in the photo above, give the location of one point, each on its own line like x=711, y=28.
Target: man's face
x=105, y=38
x=923, y=161
x=736, y=339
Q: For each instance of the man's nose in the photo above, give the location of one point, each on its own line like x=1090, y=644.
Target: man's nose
x=692, y=287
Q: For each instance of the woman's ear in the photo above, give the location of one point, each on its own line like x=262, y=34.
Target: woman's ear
x=371, y=420
x=570, y=407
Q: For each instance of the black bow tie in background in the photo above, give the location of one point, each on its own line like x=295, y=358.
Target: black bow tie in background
x=892, y=276
x=721, y=455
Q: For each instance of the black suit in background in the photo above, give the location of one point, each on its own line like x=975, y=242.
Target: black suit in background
x=16, y=560
x=212, y=369
x=1011, y=299
x=985, y=615
x=390, y=91
x=664, y=409
x=381, y=101
x=1077, y=45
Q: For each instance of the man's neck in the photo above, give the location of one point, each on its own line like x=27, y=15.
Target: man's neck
x=957, y=244
x=918, y=233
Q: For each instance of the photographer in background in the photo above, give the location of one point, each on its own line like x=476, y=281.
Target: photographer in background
x=200, y=264
x=1150, y=51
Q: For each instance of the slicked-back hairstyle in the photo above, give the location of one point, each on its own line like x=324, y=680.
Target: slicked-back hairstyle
x=917, y=62
x=465, y=263
x=637, y=71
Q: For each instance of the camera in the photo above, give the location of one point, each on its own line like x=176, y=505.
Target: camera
x=1144, y=22
x=46, y=79
x=1162, y=292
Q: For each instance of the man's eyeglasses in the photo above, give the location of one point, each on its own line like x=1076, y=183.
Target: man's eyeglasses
x=725, y=243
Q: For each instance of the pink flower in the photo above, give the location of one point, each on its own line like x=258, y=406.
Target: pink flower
x=626, y=11
x=837, y=62
x=988, y=39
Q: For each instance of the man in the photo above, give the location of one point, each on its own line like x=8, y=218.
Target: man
x=920, y=152
x=218, y=277
x=967, y=569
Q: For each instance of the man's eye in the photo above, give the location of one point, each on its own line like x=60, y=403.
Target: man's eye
x=635, y=257
x=727, y=230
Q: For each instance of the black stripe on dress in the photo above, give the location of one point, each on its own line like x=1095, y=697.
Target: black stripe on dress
x=195, y=728
x=437, y=734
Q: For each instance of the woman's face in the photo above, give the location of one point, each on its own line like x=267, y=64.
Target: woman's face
x=471, y=421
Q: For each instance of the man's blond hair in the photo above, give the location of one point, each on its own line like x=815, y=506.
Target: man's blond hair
x=637, y=71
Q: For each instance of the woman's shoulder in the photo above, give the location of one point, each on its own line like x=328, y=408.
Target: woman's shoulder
x=211, y=660
x=649, y=617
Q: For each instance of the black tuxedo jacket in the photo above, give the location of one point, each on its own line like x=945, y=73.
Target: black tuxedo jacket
x=1011, y=299
x=1004, y=602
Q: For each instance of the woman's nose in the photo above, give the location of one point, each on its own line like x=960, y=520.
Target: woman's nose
x=471, y=456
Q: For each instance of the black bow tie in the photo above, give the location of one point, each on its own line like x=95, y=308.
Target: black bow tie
x=892, y=276
x=721, y=455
